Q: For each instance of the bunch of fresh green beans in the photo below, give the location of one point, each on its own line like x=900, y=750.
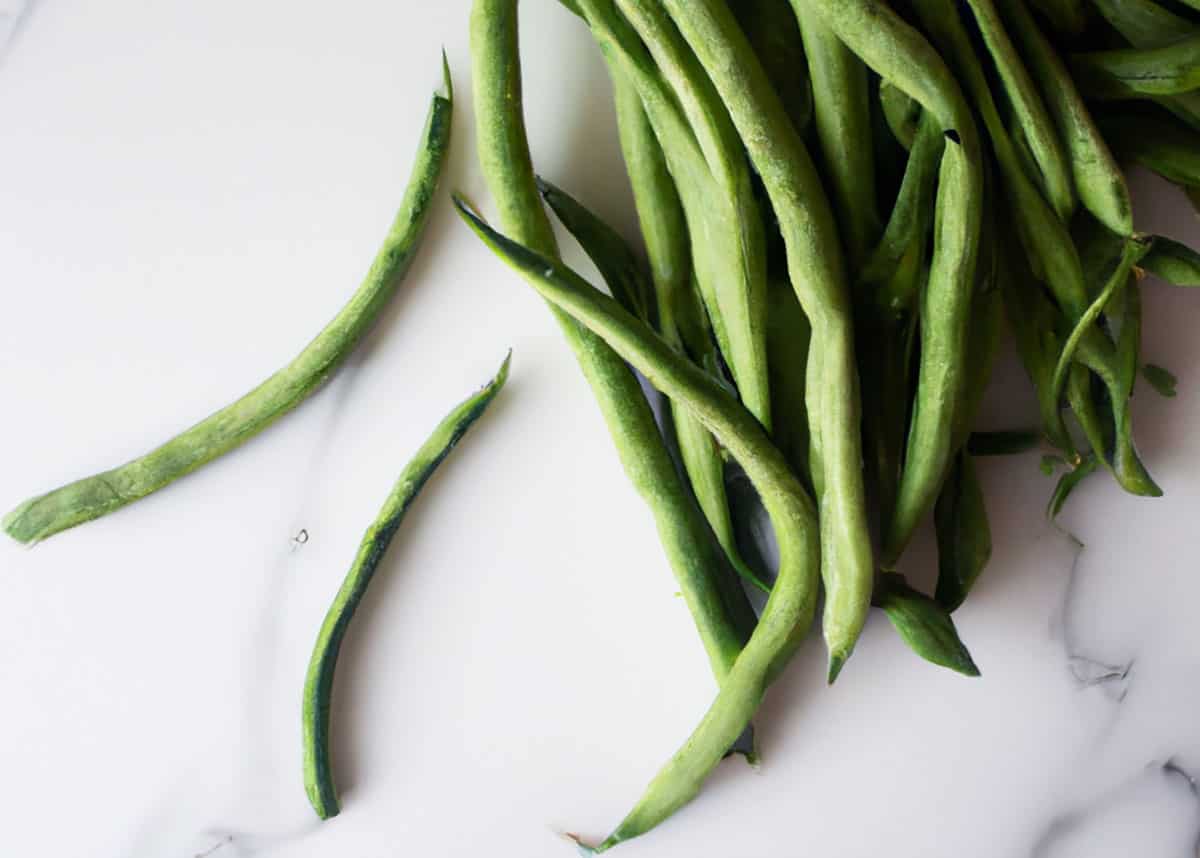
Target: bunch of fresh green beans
x=841, y=201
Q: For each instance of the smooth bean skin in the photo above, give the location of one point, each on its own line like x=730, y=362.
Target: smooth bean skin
x=790, y=608
x=96, y=496
x=318, y=685
x=718, y=605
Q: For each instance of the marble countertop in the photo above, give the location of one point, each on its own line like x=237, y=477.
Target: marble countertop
x=189, y=192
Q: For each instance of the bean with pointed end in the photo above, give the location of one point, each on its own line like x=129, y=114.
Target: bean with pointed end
x=318, y=685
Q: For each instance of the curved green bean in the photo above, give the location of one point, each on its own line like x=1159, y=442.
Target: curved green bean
x=621, y=271
x=95, y=496
x=1068, y=483
x=771, y=27
x=1138, y=72
x=924, y=625
x=1098, y=179
x=901, y=112
x=842, y=113
x=815, y=268
x=718, y=605
x=790, y=608
x=1157, y=143
x=318, y=684
x=736, y=304
x=1173, y=262
x=1031, y=111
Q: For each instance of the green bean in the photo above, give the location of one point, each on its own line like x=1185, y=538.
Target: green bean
x=843, y=123
x=1098, y=179
x=1157, y=143
x=318, y=684
x=681, y=319
x=1126, y=465
x=1173, y=262
x=621, y=271
x=774, y=32
x=1003, y=443
x=964, y=537
x=901, y=112
x=901, y=55
x=729, y=253
x=1145, y=24
x=608, y=251
x=790, y=608
x=1068, y=483
x=1161, y=379
x=1032, y=115
x=899, y=257
x=924, y=625
x=814, y=263
x=1131, y=252
x=1136, y=72
x=740, y=303
x=1066, y=16
x=719, y=608
x=92, y=497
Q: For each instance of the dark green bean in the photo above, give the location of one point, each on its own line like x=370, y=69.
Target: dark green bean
x=1161, y=379
x=1137, y=72
x=318, y=685
x=1068, y=483
x=718, y=605
x=1173, y=262
x=1157, y=143
x=1031, y=112
x=789, y=336
x=964, y=537
x=1098, y=179
x=95, y=496
x=842, y=112
x=924, y=625
x=814, y=265
x=790, y=608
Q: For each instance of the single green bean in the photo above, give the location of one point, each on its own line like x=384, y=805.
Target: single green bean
x=790, y=608
x=964, y=537
x=1161, y=379
x=814, y=264
x=924, y=625
x=788, y=339
x=901, y=112
x=621, y=271
x=1032, y=114
x=1098, y=179
x=718, y=605
x=318, y=684
x=842, y=111
x=1138, y=72
x=95, y=496
x=1173, y=262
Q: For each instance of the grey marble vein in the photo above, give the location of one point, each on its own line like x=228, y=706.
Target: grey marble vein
x=14, y=14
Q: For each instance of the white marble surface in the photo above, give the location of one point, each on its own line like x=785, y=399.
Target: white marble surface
x=188, y=191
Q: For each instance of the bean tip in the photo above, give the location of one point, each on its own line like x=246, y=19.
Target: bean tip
x=836, y=662
x=447, y=90
x=580, y=846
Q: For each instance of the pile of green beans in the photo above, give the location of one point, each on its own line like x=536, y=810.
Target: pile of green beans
x=844, y=205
